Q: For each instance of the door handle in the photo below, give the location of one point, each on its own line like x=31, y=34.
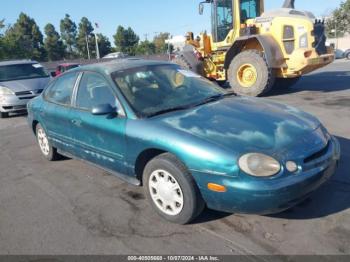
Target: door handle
x=76, y=122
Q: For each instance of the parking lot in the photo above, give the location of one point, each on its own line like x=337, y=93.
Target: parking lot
x=69, y=207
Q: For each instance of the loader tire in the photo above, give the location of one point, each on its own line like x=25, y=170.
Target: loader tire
x=187, y=60
x=249, y=74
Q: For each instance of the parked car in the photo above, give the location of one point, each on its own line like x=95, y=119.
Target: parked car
x=20, y=81
x=339, y=54
x=115, y=55
x=347, y=54
x=187, y=141
x=61, y=68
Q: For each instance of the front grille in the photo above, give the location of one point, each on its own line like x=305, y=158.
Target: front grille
x=26, y=97
x=288, y=39
x=26, y=93
x=23, y=93
x=319, y=159
x=21, y=107
x=317, y=155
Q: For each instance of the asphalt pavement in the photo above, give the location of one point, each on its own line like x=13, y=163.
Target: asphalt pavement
x=69, y=207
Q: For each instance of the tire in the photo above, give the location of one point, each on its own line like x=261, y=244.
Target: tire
x=4, y=115
x=256, y=65
x=286, y=83
x=185, y=190
x=48, y=151
x=347, y=56
x=187, y=60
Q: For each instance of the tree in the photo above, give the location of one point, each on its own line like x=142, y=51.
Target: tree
x=339, y=21
x=145, y=48
x=69, y=35
x=159, y=42
x=85, y=35
x=2, y=42
x=24, y=39
x=53, y=44
x=2, y=23
x=126, y=40
x=104, y=45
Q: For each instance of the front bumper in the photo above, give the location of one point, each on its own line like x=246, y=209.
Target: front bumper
x=17, y=102
x=268, y=196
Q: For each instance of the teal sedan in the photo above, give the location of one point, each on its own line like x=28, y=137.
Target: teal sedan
x=190, y=143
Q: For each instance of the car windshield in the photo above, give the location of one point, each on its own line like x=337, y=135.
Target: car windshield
x=21, y=71
x=156, y=89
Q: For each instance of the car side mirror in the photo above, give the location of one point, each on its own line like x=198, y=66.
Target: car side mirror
x=103, y=109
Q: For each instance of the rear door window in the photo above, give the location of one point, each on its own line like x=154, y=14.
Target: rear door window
x=60, y=92
x=94, y=90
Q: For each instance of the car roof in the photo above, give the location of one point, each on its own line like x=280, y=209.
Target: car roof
x=17, y=62
x=121, y=64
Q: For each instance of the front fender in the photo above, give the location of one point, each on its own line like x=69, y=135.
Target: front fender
x=272, y=51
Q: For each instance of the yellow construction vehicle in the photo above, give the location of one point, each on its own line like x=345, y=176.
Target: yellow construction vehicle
x=255, y=50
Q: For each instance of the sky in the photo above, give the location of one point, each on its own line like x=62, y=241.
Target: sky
x=146, y=17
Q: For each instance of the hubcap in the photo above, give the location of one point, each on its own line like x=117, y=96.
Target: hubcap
x=43, y=142
x=247, y=75
x=166, y=192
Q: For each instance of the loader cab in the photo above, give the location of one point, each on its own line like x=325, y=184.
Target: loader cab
x=224, y=18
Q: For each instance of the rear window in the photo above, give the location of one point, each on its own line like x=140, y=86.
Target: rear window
x=21, y=71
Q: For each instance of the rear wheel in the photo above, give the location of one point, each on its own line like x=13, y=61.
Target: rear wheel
x=171, y=190
x=188, y=60
x=49, y=152
x=249, y=74
x=348, y=56
x=4, y=115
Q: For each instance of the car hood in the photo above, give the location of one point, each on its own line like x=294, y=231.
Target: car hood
x=243, y=124
x=26, y=84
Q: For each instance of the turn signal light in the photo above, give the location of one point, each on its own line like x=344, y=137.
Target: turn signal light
x=217, y=188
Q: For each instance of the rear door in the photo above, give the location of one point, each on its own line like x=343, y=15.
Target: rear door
x=99, y=139
x=56, y=111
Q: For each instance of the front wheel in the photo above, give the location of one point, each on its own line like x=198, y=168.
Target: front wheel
x=171, y=190
x=347, y=56
x=4, y=115
x=249, y=74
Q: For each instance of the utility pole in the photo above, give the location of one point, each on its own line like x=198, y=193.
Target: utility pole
x=336, y=36
x=169, y=47
x=96, y=42
x=97, y=48
x=87, y=46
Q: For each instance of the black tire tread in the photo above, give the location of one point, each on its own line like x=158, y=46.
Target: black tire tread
x=259, y=57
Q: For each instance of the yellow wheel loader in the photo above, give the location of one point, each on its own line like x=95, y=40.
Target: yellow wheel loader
x=255, y=50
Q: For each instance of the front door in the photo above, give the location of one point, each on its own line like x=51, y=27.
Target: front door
x=56, y=112
x=98, y=138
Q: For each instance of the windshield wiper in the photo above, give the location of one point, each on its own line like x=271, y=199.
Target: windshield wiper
x=168, y=110
x=178, y=108
x=215, y=98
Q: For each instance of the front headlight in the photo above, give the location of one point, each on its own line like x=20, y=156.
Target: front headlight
x=5, y=91
x=259, y=165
